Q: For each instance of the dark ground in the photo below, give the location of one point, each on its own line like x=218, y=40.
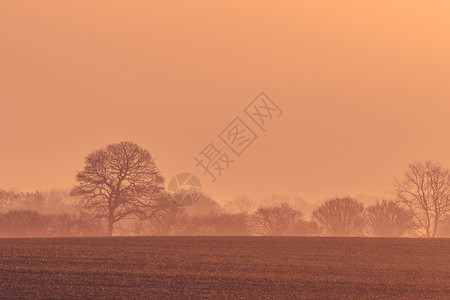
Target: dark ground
x=224, y=267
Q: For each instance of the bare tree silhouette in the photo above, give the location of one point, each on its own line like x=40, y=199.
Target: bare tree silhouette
x=120, y=181
x=276, y=220
x=341, y=217
x=388, y=219
x=425, y=189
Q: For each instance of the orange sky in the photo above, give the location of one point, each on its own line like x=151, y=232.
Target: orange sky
x=364, y=88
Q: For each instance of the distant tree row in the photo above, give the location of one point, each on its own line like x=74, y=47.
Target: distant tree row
x=122, y=190
x=54, y=201
x=29, y=223
x=336, y=217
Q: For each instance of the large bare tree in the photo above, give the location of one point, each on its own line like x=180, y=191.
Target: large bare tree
x=341, y=217
x=425, y=190
x=120, y=181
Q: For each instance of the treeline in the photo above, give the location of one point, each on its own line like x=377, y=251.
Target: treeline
x=120, y=191
x=340, y=217
x=276, y=216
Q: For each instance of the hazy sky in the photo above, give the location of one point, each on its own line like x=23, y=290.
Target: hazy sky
x=365, y=89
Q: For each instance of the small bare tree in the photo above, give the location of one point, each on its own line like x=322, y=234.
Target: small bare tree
x=388, y=219
x=425, y=190
x=276, y=220
x=120, y=181
x=341, y=217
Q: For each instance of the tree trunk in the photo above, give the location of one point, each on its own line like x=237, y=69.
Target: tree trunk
x=110, y=228
x=110, y=223
x=435, y=229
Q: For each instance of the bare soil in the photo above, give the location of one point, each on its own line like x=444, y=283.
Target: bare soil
x=224, y=267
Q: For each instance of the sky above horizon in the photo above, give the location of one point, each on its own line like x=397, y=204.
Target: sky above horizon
x=363, y=86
